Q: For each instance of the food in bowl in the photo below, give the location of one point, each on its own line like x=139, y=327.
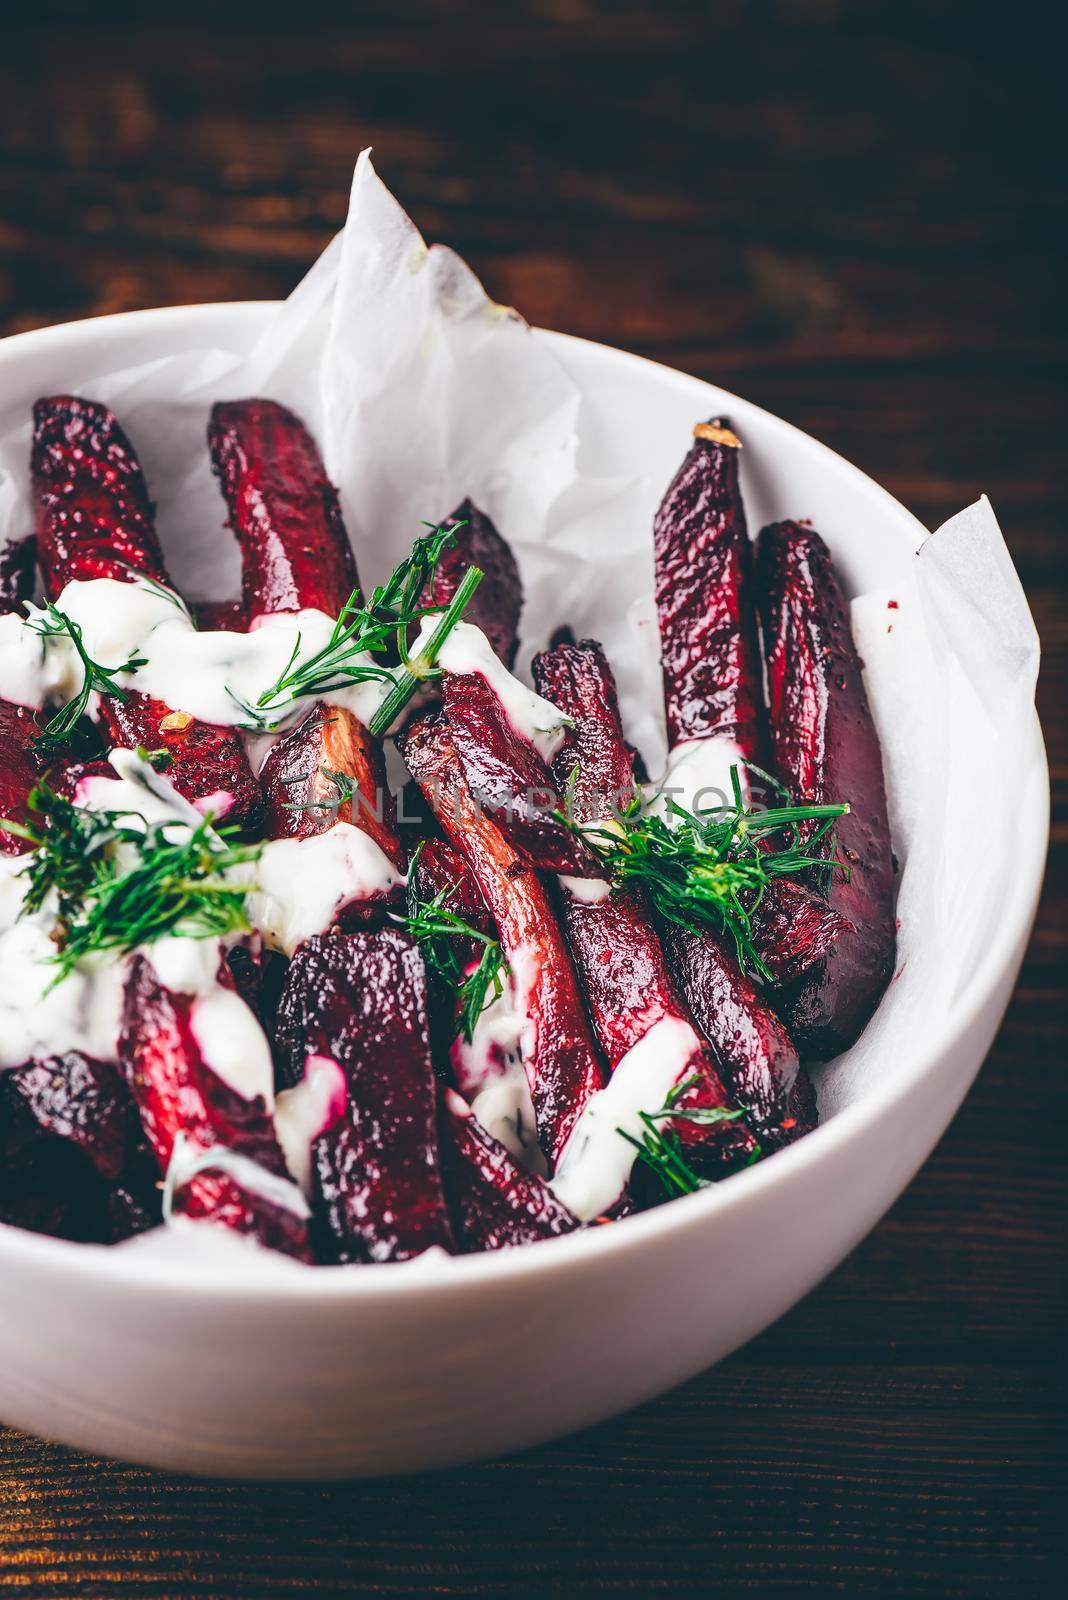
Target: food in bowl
x=244, y=987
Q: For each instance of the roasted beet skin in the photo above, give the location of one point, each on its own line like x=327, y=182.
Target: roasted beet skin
x=94, y=520
x=703, y=560
x=498, y=600
x=508, y=777
x=208, y=763
x=73, y=1159
x=18, y=774
x=493, y=1203
x=360, y=999
x=826, y=750
x=563, y=1067
x=18, y=569
x=284, y=511
x=617, y=951
x=94, y=516
x=219, y=616
x=329, y=739
x=178, y=1092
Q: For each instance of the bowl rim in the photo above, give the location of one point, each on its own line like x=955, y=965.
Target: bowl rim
x=109, y=1266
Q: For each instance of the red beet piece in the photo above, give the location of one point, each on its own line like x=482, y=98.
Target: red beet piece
x=711, y=661
x=94, y=516
x=219, y=616
x=498, y=599
x=284, y=511
x=493, y=1202
x=177, y=1091
x=18, y=568
x=826, y=749
x=617, y=951
x=508, y=777
x=563, y=1065
x=704, y=581
x=94, y=520
x=73, y=1159
x=329, y=739
x=18, y=774
x=361, y=1000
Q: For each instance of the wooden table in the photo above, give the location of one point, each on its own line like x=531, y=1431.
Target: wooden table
x=847, y=212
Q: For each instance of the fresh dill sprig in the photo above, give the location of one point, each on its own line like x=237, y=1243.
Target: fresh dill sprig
x=434, y=927
x=375, y=628
x=345, y=790
x=660, y=1149
x=51, y=623
x=710, y=869
x=119, y=883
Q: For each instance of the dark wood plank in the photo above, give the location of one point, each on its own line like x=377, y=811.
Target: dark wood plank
x=850, y=211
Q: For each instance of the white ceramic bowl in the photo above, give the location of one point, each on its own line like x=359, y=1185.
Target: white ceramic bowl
x=331, y=1372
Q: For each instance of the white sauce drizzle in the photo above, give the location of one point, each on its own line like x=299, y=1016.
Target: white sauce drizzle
x=188, y=1159
x=591, y=891
x=467, y=650
x=697, y=778
x=300, y=885
x=304, y=1112
x=491, y=1071
x=596, y=1162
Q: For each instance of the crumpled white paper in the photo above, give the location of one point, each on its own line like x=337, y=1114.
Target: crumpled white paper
x=420, y=390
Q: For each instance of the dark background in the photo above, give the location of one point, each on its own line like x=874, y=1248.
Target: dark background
x=852, y=213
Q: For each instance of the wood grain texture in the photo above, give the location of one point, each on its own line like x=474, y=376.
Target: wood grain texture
x=853, y=214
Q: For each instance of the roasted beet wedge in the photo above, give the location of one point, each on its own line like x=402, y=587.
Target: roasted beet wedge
x=493, y=1202
x=178, y=1092
x=18, y=568
x=18, y=728
x=94, y=516
x=360, y=1000
x=498, y=599
x=94, y=520
x=826, y=749
x=755, y=1052
x=508, y=777
x=208, y=764
x=295, y=553
x=302, y=799
x=619, y=957
x=439, y=869
x=712, y=675
x=73, y=1159
x=560, y=1057
x=703, y=560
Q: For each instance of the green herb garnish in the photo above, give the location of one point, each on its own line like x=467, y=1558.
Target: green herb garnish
x=379, y=626
x=710, y=869
x=433, y=926
x=660, y=1149
x=51, y=623
x=345, y=789
x=119, y=883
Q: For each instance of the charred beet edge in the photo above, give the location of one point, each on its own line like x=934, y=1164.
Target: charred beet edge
x=712, y=675
x=703, y=559
x=825, y=745
x=498, y=599
x=94, y=520
x=73, y=1159
x=295, y=553
x=508, y=777
x=303, y=799
x=18, y=568
x=360, y=999
x=177, y=1092
x=493, y=1203
x=563, y=1067
x=617, y=952
x=18, y=728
